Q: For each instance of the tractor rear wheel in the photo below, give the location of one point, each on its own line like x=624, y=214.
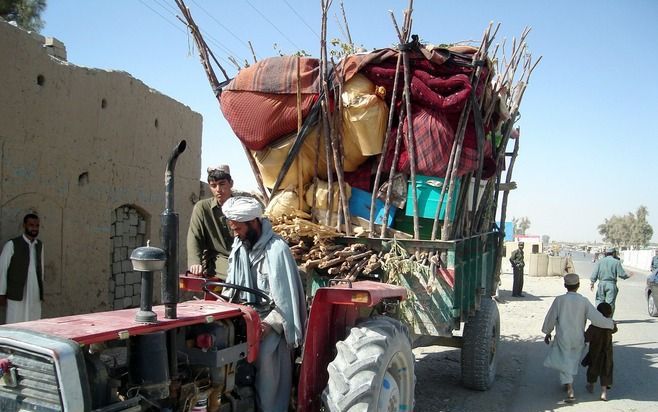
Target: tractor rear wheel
x=373, y=369
x=480, y=343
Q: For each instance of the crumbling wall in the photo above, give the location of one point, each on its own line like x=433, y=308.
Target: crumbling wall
x=76, y=146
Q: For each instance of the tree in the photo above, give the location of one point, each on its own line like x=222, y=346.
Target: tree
x=641, y=230
x=628, y=230
x=521, y=225
x=26, y=13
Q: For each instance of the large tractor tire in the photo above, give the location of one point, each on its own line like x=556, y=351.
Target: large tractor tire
x=373, y=370
x=480, y=344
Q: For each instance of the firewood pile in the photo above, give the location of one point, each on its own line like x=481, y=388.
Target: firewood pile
x=314, y=247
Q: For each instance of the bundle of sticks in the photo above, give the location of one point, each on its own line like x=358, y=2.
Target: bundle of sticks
x=314, y=248
x=295, y=229
x=317, y=248
x=340, y=261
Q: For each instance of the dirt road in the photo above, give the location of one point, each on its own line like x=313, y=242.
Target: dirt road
x=522, y=383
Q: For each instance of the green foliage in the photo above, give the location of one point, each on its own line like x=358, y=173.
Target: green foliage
x=26, y=13
x=521, y=225
x=301, y=53
x=629, y=230
x=339, y=49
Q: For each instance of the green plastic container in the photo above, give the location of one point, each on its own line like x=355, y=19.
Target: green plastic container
x=428, y=190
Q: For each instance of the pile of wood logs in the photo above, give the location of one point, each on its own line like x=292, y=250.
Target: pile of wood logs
x=314, y=248
x=340, y=261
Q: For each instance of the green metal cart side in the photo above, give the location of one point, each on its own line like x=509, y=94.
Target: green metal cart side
x=453, y=286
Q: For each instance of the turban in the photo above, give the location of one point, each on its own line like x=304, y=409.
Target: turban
x=242, y=209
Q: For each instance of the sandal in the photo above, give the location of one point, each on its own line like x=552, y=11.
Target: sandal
x=571, y=398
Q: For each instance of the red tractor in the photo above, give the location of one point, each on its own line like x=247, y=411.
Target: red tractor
x=197, y=355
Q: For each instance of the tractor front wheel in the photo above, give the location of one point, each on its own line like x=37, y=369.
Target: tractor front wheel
x=373, y=369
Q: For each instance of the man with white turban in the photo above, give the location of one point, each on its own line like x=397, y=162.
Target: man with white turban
x=262, y=260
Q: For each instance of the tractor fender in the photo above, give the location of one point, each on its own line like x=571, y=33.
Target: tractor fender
x=334, y=311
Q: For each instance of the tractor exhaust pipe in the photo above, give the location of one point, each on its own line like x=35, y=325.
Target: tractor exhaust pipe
x=169, y=223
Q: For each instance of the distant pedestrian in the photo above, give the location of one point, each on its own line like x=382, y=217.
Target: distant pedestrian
x=568, y=315
x=599, y=356
x=568, y=264
x=21, y=273
x=654, y=262
x=516, y=259
x=607, y=271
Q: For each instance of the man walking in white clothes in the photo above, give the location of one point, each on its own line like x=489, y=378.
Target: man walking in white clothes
x=568, y=315
x=21, y=273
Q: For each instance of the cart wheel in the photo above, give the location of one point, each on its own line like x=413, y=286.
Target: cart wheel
x=373, y=369
x=480, y=344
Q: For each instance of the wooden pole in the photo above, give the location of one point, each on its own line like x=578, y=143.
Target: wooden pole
x=253, y=53
x=479, y=55
x=347, y=26
x=411, y=149
x=300, y=178
x=382, y=156
x=339, y=153
x=396, y=156
x=406, y=67
x=204, y=52
x=331, y=133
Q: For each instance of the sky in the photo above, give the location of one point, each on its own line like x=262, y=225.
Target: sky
x=588, y=118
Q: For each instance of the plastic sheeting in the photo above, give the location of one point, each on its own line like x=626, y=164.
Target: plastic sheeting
x=271, y=159
x=364, y=116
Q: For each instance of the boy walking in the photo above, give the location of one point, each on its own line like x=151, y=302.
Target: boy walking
x=599, y=357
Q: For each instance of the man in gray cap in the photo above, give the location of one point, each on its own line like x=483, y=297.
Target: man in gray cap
x=516, y=259
x=568, y=315
x=607, y=271
x=208, y=237
x=262, y=260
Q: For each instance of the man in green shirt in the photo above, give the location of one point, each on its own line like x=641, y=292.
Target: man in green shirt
x=606, y=272
x=517, y=268
x=209, y=238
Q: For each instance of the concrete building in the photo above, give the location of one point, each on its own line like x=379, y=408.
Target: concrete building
x=86, y=149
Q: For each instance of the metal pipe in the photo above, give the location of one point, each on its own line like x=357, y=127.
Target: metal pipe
x=169, y=224
x=146, y=314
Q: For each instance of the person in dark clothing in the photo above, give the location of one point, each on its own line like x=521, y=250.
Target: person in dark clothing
x=517, y=267
x=22, y=273
x=599, y=357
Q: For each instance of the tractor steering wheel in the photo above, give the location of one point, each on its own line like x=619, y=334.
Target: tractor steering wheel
x=206, y=288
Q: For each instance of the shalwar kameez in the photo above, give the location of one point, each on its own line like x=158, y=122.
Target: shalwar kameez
x=269, y=266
